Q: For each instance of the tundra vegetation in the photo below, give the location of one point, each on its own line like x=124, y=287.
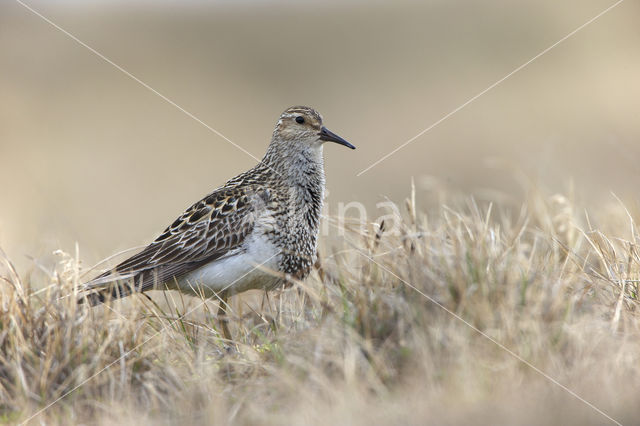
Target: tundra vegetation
x=468, y=313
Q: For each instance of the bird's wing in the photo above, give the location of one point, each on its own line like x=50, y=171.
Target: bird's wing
x=211, y=228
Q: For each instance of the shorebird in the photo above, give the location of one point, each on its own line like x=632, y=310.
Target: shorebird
x=255, y=232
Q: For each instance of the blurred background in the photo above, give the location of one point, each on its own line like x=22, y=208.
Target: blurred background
x=90, y=156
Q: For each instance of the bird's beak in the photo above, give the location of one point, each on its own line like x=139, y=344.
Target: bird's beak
x=327, y=135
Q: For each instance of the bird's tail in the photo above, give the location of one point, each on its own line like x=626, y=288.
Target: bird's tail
x=96, y=297
x=107, y=287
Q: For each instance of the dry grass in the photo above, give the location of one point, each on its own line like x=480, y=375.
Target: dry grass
x=357, y=342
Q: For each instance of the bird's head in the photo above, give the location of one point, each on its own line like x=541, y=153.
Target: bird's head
x=303, y=127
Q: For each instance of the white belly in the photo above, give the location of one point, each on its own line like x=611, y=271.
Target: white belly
x=255, y=266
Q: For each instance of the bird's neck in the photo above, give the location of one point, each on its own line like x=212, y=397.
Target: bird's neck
x=298, y=166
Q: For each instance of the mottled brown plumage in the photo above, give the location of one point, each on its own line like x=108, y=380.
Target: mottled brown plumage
x=260, y=226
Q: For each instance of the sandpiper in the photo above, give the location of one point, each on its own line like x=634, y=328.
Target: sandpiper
x=252, y=233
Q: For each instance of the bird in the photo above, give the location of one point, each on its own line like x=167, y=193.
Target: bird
x=257, y=231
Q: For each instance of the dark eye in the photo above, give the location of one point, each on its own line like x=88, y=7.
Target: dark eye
x=300, y=119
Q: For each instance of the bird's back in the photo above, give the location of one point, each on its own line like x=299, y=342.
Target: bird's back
x=214, y=227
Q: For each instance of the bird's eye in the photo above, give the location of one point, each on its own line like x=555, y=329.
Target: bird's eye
x=300, y=119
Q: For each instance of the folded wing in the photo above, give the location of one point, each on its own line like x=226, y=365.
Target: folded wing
x=214, y=227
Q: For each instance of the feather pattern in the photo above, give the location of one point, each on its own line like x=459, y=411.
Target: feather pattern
x=209, y=229
x=269, y=213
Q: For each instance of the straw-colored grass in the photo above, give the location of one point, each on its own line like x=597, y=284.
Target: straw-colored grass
x=471, y=314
